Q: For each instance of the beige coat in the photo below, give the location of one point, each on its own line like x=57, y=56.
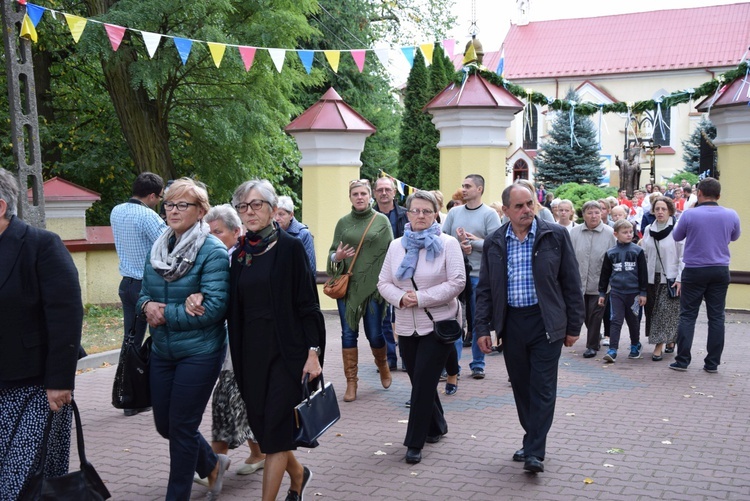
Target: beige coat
x=590, y=246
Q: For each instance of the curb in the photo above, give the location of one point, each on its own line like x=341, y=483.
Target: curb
x=96, y=360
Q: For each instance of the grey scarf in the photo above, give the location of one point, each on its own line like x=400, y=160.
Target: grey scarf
x=174, y=265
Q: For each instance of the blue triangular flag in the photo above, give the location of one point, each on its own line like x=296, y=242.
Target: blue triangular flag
x=306, y=56
x=183, y=47
x=409, y=55
x=501, y=65
x=35, y=13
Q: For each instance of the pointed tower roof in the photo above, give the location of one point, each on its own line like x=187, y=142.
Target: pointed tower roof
x=735, y=94
x=477, y=93
x=330, y=113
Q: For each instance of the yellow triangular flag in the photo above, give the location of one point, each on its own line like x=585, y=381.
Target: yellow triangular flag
x=27, y=29
x=427, y=49
x=470, y=55
x=217, y=51
x=76, y=25
x=333, y=57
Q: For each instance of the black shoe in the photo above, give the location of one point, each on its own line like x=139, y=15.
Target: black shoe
x=669, y=349
x=133, y=412
x=677, y=367
x=413, y=455
x=533, y=464
x=433, y=439
x=407, y=404
x=657, y=358
x=467, y=344
x=477, y=373
x=710, y=370
x=306, y=477
x=589, y=353
x=519, y=456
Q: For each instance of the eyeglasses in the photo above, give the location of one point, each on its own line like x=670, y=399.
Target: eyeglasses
x=181, y=206
x=425, y=212
x=384, y=190
x=256, y=205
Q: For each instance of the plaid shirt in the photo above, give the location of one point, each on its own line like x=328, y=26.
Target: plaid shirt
x=521, y=289
x=135, y=227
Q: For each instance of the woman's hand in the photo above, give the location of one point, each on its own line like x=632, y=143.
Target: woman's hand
x=344, y=251
x=312, y=366
x=155, y=313
x=58, y=398
x=409, y=300
x=194, y=305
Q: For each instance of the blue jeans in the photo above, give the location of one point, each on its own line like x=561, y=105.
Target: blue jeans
x=477, y=357
x=373, y=319
x=129, y=291
x=180, y=390
x=698, y=284
x=390, y=340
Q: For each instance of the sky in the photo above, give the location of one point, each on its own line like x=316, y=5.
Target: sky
x=494, y=16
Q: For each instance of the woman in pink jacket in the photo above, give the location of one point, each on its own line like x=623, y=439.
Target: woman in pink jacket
x=434, y=261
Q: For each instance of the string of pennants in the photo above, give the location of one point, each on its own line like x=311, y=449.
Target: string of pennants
x=184, y=46
x=403, y=189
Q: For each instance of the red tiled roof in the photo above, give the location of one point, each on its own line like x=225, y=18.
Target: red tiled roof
x=739, y=89
x=331, y=113
x=97, y=238
x=58, y=189
x=704, y=37
x=477, y=93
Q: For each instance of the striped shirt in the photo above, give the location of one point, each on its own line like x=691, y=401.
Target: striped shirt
x=521, y=289
x=135, y=227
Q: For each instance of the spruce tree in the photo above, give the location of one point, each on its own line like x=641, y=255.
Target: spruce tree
x=416, y=95
x=692, y=146
x=558, y=162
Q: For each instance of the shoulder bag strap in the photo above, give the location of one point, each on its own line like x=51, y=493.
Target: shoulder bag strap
x=663, y=270
x=425, y=309
x=361, y=241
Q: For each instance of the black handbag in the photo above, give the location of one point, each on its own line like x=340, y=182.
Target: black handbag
x=446, y=331
x=83, y=485
x=316, y=413
x=131, y=388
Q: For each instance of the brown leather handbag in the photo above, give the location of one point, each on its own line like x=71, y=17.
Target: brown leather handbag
x=336, y=287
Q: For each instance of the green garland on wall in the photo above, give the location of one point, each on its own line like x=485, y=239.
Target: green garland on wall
x=589, y=108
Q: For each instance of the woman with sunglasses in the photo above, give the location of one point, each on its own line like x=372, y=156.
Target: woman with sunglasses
x=187, y=351
x=423, y=270
x=362, y=300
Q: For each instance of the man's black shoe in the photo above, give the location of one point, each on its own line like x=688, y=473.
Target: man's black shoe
x=433, y=439
x=533, y=464
x=589, y=353
x=413, y=455
x=133, y=412
x=519, y=456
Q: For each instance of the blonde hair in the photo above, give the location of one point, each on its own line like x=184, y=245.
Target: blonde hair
x=186, y=186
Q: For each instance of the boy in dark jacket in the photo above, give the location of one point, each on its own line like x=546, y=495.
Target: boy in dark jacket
x=624, y=271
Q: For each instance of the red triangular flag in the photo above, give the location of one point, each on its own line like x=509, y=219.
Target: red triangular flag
x=248, y=55
x=359, y=59
x=115, y=34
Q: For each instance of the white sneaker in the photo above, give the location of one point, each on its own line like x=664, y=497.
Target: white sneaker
x=605, y=342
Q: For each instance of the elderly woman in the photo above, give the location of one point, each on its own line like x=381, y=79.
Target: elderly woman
x=664, y=261
x=42, y=313
x=187, y=351
x=276, y=332
x=287, y=222
x=423, y=271
x=362, y=299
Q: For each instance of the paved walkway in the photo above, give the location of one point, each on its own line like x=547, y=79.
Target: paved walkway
x=632, y=430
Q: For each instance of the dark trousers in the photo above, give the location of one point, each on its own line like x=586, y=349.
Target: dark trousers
x=180, y=390
x=606, y=321
x=532, y=363
x=390, y=340
x=425, y=358
x=699, y=284
x=593, y=320
x=621, y=311
x=451, y=364
x=129, y=290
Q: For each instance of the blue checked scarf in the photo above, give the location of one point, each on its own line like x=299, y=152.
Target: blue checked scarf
x=413, y=241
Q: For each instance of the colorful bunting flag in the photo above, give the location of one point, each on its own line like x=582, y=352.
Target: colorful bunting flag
x=27, y=29
x=35, y=13
x=408, y=53
x=277, y=56
x=217, y=52
x=184, y=46
x=427, y=49
x=501, y=64
x=115, y=34
x=383, y=54
x=470, y=54
x=248, y=55
x=450, y=47
x=306, y=57
x=333, y=57
x=76, y=25
x=152, y=42
x=359, y=59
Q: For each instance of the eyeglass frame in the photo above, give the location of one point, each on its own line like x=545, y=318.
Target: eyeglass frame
x=249, y=205
x=424, y=212
x=180, y=206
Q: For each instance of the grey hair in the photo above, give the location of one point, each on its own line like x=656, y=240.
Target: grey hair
x=263, y=186
x=9, y=192
x=555, y=202
x=286, y=204
x=226, y=214
x=591, y=204
x=423, y=195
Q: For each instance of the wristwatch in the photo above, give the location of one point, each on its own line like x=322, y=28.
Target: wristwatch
x=316, y=349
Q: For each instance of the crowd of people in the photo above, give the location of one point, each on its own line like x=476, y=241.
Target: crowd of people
x=230, y=297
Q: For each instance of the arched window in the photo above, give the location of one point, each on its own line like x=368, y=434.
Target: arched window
x=530, y=127
x=520, y=170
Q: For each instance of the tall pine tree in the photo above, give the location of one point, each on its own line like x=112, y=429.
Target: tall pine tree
x=692, y=154
x=564, y=160
x=416, y=95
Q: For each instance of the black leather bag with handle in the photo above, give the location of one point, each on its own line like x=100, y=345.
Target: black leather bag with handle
x=316, y=413
x=82, y=485
x=131, y=388
x=446, y=331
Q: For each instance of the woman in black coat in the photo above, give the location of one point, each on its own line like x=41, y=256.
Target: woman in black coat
x=276, y=332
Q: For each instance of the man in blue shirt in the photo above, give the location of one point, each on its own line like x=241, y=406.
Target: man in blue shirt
x=529, y=293
x=136, y=226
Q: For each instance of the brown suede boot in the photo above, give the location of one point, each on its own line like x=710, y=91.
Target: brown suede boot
x=350, y=356
x=381, y=360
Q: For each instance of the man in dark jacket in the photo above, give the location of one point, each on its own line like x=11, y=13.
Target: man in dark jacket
x=529, y=293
